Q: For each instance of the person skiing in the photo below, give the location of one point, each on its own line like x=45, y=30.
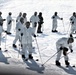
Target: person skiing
x=63, y=44
x=27, y=34
x=34, y=20
x=40, y=23
x=1, y=26
x=73, y=23
x=25, y=18
x=54, y=22
x=18, y=31
x=9, y=23
x=18, y=17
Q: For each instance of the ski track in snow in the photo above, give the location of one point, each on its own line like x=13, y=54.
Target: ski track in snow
x=46, y=41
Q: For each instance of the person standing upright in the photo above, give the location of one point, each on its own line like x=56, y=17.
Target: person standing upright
x=54, y=22
x=34, y=20
x=73, y=23
x=18, y=17
x=9, y=23
x=40, y=23
x=1, y=26
x=25, y=18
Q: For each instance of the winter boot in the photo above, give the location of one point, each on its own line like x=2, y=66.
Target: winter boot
x=39, y=32
x=14, y=46
x=66, y=63
x=30, y=56
x=53, y=30
x=56, y=31
x=58, y=63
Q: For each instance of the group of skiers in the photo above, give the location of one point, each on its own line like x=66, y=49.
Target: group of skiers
x=64, y=44
x=24, y=33
x=72, y=22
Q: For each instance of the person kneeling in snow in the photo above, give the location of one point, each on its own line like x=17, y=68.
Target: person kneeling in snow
x=63, y=44
x=27, y=41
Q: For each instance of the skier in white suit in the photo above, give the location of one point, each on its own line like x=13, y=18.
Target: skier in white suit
x=9, y=23
x=72, y=17
x=27, y=34
x=63, y=44
x=34, y=20
x=18, y=17
x=25, y=18
x=54, y=22
x=19, y=28
x=73, y=23
x=1, y=26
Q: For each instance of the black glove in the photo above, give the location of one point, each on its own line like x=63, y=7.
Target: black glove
x=34, y=35
x=61, y=18
x=4, y=19
x=71, y=50
x=61, y=48
x=21, y=34
x=19, y=29
x=73, y=22
x=71, y=19
x=9, y=22
x=53, y=17
x=35, y=24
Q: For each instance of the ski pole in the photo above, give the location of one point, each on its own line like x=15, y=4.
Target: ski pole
x=42, y=27
x=68, y=28
x=0, y=41
x=63, y=25
x=20, y=40
x=5, y=42
x=50, y=58
x=38, y=50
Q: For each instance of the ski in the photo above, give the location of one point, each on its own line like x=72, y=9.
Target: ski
x=73, y=66
x=29, y=59
x=70, y=66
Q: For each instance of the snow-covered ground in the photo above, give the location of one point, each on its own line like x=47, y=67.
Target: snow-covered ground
x=11, y=60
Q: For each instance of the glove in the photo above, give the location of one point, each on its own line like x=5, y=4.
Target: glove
x=21, y=34
x=19, y=29
x=53, y=17
x=71, y=50
x=4, y=19
x=71, y=19
x=61, y=18
x=73, y=22
x=9, y=22
x=34, y=35
x=35, y=24
x=61, y=48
